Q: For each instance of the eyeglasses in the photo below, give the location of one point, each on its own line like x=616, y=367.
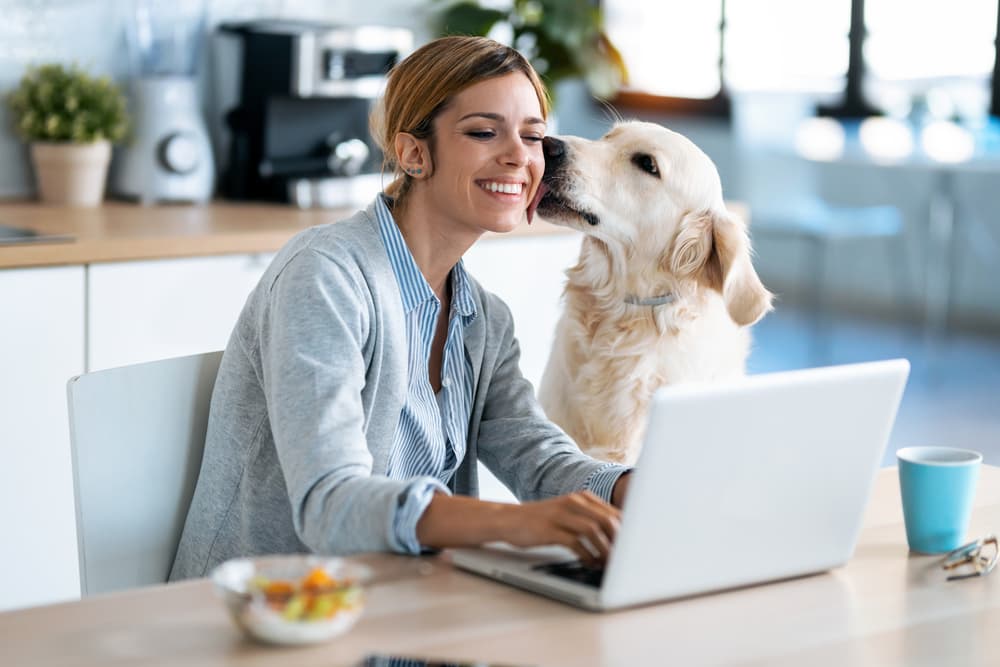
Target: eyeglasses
x=975, y=559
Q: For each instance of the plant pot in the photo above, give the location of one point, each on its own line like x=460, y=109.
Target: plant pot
x=71, y=174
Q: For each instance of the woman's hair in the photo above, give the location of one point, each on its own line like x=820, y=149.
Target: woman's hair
x=423, y=84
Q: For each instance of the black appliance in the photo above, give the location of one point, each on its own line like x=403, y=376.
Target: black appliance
x=299, y=130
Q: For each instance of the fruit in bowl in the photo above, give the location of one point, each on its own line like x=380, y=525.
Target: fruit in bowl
x=292, y=599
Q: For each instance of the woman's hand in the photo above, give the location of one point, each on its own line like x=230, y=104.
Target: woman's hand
x=580, y=521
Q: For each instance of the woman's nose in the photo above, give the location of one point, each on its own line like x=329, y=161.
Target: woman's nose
x=517, y=152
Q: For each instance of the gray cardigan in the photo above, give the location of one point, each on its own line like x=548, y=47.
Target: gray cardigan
x=308, y=397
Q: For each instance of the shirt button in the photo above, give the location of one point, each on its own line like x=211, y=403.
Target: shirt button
x=446, y=382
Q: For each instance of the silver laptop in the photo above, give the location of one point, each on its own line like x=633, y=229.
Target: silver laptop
x=760, y=479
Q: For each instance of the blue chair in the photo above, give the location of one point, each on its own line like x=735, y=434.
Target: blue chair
x=820, y=224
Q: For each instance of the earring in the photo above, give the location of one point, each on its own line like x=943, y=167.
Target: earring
x=411, y=172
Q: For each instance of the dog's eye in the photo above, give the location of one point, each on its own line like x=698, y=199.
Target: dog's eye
x=646, y=162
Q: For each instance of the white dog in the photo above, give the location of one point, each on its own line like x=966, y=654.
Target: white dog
x=664, y=288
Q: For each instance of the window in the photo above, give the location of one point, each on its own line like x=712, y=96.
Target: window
x=786, y=45
x=672, y=47
x=941, y=57
x=867, y=55
x=673, y=50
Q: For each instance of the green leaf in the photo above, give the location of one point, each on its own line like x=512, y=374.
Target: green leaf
x=561, y=38
x=469, y=19
x=57, y=103
x=558, y=56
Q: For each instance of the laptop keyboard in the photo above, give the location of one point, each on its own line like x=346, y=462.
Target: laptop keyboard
x=575, y=571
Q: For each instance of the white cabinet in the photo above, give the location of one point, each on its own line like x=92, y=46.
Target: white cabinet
x=141, y=311
x=59, y=322
x=528, y=273
x=41, y=347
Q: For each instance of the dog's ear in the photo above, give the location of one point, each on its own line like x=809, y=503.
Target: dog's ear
x=712, y=247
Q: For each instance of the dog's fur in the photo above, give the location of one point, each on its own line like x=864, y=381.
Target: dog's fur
x=647, y=235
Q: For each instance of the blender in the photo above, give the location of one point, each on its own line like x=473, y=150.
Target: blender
x=169, y=156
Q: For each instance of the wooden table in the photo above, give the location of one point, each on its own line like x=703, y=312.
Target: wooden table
x=885, y=607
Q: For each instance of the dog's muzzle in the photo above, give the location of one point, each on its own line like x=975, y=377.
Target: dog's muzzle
x=555, y=153
x=554, y=201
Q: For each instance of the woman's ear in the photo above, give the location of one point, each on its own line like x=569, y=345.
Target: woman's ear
x=413, y=155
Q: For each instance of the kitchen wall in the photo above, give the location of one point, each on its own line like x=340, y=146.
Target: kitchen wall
x=91, y=33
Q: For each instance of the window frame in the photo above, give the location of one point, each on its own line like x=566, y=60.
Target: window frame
x=853, y=103
x=718, y=106
x=995, y=82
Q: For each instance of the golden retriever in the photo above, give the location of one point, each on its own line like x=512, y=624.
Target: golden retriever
x=664, y=288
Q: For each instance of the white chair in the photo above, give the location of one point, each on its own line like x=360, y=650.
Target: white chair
x=137, y=434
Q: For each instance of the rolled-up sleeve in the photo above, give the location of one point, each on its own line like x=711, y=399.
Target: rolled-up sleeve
x=412, y=504
x=602, y=481
x=312, y=341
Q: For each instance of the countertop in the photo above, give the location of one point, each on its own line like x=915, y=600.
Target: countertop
x=119, y=231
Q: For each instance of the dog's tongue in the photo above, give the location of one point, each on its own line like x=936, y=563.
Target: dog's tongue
x=539, y=193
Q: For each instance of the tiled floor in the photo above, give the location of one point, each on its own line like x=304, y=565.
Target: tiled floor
x=953, y=394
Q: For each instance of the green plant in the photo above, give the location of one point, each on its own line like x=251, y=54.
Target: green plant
x=65, y=104
x=561, y=38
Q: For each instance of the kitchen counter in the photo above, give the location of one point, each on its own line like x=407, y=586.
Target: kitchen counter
x=119, y=231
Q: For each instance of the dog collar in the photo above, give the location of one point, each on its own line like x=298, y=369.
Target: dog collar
x=661, y=300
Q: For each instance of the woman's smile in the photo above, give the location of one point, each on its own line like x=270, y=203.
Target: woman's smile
x=504, y=190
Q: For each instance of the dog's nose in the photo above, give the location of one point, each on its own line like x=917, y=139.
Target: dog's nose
x=553, y=148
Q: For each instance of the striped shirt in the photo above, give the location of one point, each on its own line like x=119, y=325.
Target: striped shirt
x=430, y=439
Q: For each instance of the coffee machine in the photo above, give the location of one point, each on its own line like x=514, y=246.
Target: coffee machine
x=298, y=131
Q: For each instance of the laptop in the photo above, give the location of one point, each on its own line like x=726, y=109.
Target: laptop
x=755, y=480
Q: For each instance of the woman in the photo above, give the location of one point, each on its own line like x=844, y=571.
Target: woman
x=368, y=372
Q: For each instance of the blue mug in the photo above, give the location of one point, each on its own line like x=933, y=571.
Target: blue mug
x=937, y=485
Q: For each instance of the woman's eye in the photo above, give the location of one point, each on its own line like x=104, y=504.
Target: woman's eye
x=646, y=162
x=482, y=134
x=532, y=138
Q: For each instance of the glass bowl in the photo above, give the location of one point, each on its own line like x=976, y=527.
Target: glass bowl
x=292, y=599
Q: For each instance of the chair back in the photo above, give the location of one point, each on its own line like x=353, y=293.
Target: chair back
x=137, y=434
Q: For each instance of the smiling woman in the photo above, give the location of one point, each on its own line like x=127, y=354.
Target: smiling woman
x=480, y=166
x=369, y=373
x=438, y=72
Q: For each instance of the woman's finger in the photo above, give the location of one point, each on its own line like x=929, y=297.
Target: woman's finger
x=607, y=516
x=584, y=552
x=589, y=533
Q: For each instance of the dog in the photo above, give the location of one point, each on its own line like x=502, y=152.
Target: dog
x=664, y=290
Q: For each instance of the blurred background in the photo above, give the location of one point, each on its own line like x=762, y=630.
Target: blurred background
x=860, y=135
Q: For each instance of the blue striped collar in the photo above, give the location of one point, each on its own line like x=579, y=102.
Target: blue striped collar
x=412, y=285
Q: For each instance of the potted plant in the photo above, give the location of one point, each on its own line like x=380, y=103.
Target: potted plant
x=563, y=39
x=70, y=119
